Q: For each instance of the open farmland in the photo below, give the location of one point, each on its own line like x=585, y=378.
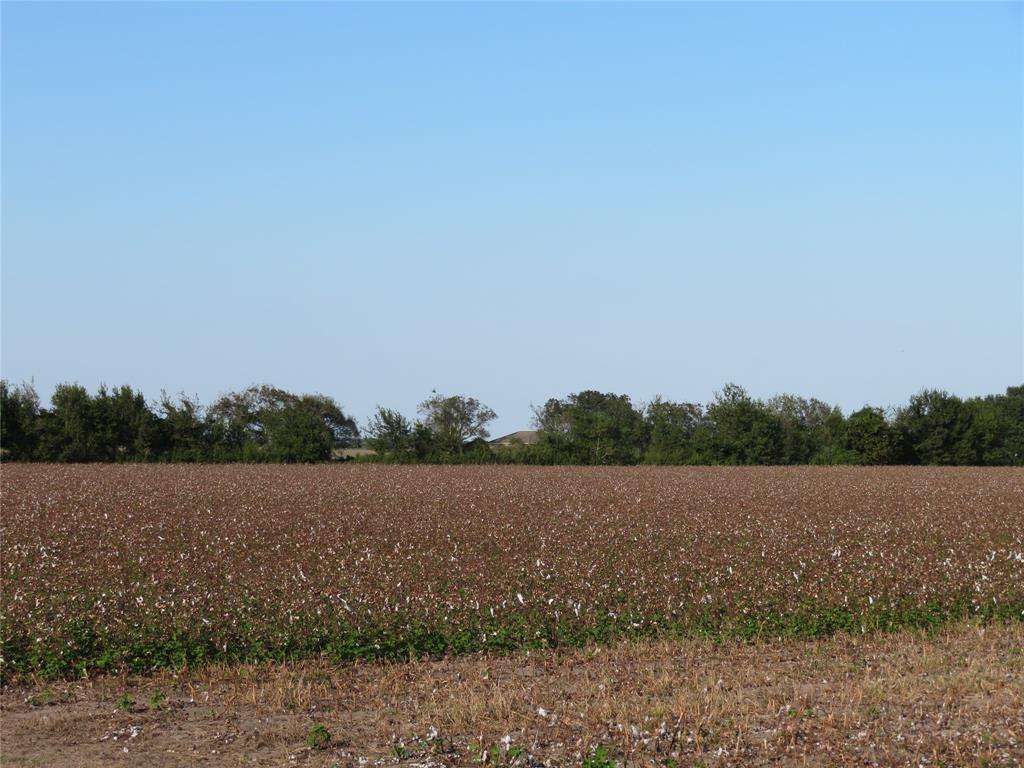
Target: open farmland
x=133, y=568
x=951, y=698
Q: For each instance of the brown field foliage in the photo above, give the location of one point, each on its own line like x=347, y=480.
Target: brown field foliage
x=139, y=567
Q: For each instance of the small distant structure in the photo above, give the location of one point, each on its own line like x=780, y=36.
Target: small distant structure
x=522, y=437
x=348, y=454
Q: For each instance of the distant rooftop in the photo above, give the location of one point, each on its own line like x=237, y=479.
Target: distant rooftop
x=525, y=436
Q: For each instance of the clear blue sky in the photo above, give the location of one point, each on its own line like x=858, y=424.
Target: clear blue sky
x=514, y=201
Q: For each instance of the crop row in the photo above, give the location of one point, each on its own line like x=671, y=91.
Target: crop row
x=113, y=567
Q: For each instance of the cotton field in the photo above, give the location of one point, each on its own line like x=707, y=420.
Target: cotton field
x=141, y=567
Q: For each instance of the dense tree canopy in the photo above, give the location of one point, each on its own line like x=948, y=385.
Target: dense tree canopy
x=934, y=426
x=267, y=424
x=455, y=420
x=593, y=428
x=262, y=423
x=19, y=421
x=673, y=432
x=870, y=438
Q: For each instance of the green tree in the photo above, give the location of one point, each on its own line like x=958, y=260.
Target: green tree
x=390, y=434
x=870, y=438
x=342, y=427
x=743, y=430
x=592, y=427
x=995, y=434
x=296, y=432
x=670, y=431
x=235, y=424
x=455, y=420
x=185, y=434
x=809, y=429
x=124, y=426
x=935, y=427
x=265, y=423
x=68, y=427
x=1011, y=439
x=19, y=421
x=424, y=444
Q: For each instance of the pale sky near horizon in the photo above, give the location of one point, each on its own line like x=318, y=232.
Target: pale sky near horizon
x=514, y=202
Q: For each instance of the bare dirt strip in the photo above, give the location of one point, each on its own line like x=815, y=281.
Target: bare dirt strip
x=954, y=699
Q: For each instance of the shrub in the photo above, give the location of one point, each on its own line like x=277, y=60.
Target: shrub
x=318, y=737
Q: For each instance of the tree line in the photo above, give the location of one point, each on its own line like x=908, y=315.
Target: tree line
x=259, y=424
x=267, y=424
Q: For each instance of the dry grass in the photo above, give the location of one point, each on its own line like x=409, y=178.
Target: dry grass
x=954, y=699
